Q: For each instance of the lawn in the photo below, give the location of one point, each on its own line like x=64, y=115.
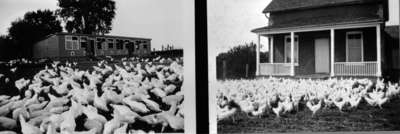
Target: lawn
x=364, y=118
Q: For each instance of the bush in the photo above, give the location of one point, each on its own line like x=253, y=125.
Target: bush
x=236, y=60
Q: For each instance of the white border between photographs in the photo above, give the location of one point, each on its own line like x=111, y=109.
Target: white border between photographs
x=189, y=80
x=212, y=79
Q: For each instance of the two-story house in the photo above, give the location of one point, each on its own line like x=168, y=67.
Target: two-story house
x=328, y=37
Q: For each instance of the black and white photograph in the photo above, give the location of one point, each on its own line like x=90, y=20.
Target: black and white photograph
x=303, y=66
x=97, y=66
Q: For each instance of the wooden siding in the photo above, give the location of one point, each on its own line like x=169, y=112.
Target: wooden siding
x=325, y=15
x=369, y=40
x=142, y=50
x=391, y=50
x=307, y=51
x=46, y=48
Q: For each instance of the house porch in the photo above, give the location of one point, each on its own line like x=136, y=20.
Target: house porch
x=354, y=51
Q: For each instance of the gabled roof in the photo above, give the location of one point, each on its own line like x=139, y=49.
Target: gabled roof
x=285, y=5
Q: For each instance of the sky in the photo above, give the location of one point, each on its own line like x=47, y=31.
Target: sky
x=230, y=21
x=161, y=20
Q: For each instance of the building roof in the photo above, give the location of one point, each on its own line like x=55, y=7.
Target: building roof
x=285, y=5
x=105, y=36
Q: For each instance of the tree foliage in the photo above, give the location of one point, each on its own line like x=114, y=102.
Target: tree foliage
x=87, y=16
x=34, y=26
x=7, y=48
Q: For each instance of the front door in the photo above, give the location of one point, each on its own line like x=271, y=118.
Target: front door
x=322, y=55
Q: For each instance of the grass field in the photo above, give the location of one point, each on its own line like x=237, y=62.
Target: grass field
x=364, y=118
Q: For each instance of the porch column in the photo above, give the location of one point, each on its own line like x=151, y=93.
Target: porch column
x=291, y=53
x=258, y=55
x=378, y=51
x=271, y=51
x=332, y=52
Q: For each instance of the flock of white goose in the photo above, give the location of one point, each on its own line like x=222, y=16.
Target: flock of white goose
x=136, y=96
x=281, y=96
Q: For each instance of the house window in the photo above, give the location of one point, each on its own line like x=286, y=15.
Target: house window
x=110, y=43
x=144, y=46
x=287, y=49
x=354, y=47
x=71, y=43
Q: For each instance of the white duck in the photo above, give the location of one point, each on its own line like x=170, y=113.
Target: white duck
x=100, y=102
x=27, y=128
x=135, y=105
x=7, y=123
x=277, y=110
x=314, y=107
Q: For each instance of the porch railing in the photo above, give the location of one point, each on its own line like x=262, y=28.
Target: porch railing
x=275, y=69
x=356, y=68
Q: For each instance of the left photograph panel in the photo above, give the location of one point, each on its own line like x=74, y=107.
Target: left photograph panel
x=96, y=66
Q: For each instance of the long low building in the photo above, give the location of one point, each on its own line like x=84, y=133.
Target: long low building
x=65, y=45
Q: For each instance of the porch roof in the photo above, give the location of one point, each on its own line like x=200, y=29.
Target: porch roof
x=317, y=24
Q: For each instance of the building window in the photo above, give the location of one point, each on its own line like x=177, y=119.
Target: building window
x=287, y=52
x=144, y=46
x=126, y=43
x=120, y=44
x=136, y=46
x=100, y=43
x=71, y=43
x=110, y=43
x=84, y=42
x=354, y=46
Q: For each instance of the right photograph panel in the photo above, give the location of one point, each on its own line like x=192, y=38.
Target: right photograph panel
x=303, y=66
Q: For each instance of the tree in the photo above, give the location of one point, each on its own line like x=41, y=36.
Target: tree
x=34, y=26
x=87, y=16
x=236, y=59
x=7, y=48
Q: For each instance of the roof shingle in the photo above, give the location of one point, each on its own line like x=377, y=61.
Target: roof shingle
x=284, y=5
